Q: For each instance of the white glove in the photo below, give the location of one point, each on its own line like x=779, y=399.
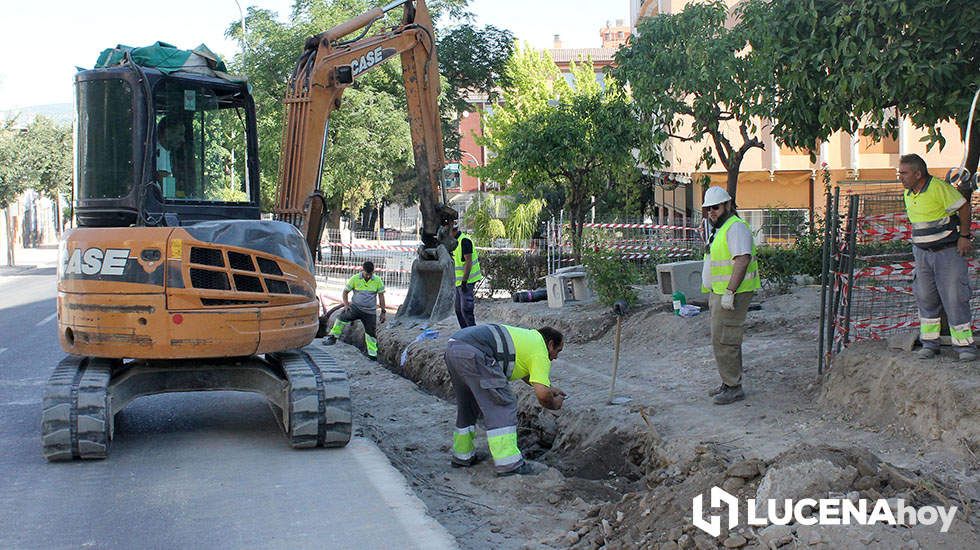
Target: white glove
x=728, y=300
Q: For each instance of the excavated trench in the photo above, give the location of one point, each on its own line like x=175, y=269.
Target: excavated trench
x=619, y=465
x=599, y=459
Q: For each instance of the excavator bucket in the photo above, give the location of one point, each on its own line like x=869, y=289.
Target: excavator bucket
x=432, y=287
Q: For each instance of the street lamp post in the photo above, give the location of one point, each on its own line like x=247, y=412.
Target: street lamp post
x=479, y=181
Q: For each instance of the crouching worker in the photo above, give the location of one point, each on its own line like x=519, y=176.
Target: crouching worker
x=369, y=291
x=482, y=360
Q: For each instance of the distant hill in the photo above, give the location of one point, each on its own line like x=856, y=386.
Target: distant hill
x=59, y=112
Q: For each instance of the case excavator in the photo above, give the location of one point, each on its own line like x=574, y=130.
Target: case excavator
x=172, y=281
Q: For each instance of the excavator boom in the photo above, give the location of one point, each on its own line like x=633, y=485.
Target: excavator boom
x=327, y=67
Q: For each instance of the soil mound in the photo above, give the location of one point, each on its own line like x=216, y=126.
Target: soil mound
x=936, y=400
x=661, y=516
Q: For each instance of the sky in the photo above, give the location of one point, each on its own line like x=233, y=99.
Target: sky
x=43, y=41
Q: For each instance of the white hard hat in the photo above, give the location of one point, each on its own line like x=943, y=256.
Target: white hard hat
x=715, y=195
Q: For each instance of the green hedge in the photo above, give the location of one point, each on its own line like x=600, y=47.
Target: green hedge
x=513, y=271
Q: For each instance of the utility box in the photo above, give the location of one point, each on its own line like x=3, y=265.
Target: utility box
x=567, y=286
x=683, y=276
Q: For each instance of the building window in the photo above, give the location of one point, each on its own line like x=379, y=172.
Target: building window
x=776, y=227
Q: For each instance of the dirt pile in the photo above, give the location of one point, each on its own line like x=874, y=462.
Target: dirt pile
x=625, y=476
x=660, y=517
x=938, y=400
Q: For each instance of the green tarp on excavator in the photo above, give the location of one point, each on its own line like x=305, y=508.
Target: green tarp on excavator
x=167, y=59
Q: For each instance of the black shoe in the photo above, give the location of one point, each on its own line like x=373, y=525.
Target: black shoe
x=330, y=340
x=472, y=461
x=730, y=394
x=373, y=358
x=529, y=468
x=716, y=391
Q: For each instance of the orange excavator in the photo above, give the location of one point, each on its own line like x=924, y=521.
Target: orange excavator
x=172, y=281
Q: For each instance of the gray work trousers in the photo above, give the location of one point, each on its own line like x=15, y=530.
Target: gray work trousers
x=727, y=330
x=942, y=283
x=464, y=304
x=481, y=386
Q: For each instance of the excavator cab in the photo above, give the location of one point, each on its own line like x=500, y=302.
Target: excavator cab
x=158, y=149
x=172, y=282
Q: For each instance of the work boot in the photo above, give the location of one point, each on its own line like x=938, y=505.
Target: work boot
x=968, y=355
x=373, y=358
x=716, y=391
x=730, y=394
x=330, y=340
x=529, y=468
x=926, y=353
x=477, y=458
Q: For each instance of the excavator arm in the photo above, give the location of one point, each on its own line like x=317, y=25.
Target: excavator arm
x=326, y=68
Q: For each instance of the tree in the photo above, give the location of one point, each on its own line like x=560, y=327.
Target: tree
x=271, y=50
x=580, y=142
x=369, y=134
x=373, y=145
x=691, y=80
x=839, y=65
x=496, y=217
x=472, y=59
x=11, y=178
x=46, y=153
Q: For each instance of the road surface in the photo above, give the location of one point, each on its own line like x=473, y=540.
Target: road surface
x=185, y=470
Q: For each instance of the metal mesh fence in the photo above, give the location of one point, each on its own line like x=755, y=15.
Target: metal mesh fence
x=642, y=243
x=868, y=256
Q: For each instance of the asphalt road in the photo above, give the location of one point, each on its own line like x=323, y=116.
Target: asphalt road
x=185, y=470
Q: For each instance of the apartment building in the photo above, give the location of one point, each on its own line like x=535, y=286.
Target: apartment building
x=782, y=178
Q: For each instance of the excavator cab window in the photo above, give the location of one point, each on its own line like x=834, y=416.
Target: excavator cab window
x=105, y=139
x=201, y=151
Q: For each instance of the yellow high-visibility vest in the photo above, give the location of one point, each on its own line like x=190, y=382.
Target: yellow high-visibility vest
x=475, y=273
x=722, y=265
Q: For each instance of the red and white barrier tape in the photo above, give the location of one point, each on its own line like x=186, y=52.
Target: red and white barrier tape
x=372, y=246
x=892, y=233
x=902, y=268
x=886, y=289
x=639, y=226
x=358, y=268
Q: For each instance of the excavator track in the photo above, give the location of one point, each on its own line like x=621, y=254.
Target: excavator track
x=76, y=422
x=305, y=385
x=319, y=398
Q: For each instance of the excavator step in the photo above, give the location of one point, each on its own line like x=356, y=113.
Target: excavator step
x=76, y=422
x=319, y=399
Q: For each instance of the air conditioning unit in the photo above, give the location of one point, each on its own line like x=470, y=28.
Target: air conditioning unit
x=683, y=276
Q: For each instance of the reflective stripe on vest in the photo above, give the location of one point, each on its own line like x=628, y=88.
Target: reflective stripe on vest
x=722, y=266
x=930, y=202
x=475, y=273
x=936, y=234
x=506, y=354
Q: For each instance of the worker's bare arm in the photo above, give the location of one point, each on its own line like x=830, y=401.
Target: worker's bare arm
x=550, y=398
x=738, y=271
x=963, y=245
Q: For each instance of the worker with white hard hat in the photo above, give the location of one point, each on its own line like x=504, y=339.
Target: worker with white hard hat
x=730, y=276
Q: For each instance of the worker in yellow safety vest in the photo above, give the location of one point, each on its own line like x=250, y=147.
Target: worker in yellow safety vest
x=482, y=360
x=941, y=242
x=467, y=262
x=369, y=291
x=730, y=276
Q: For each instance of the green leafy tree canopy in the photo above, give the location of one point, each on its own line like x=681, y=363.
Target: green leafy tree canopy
x=845, y=66
x=692, y=82
x=576, y=134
